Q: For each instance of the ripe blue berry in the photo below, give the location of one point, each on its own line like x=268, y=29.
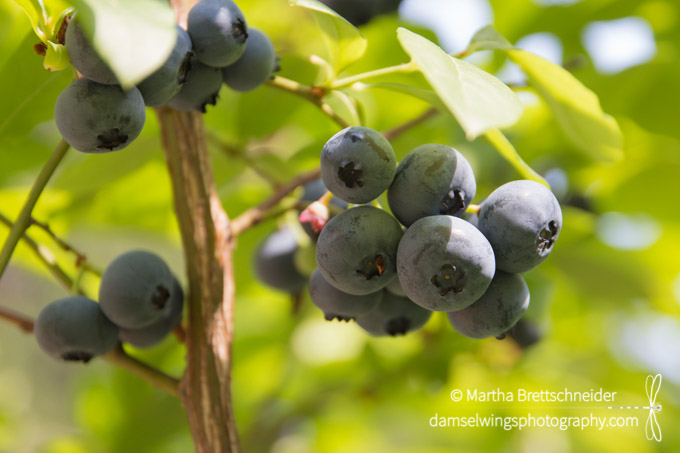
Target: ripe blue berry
x=255, y=66
x=84, y=58
x=153, y=334
x=200, y=89
x=444, y=263
x=97, y=118
x=218, y=32
x=275, y=262
x=74, y=329
x=357, y=250
x=522, y=220
x=497, y=311
x=337, y=304
x=136, y=289
x=431, y=179
x=394, y=315
x=357, y=164
x=166, y=81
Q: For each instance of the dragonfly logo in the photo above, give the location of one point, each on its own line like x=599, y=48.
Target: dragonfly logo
x=652, y=387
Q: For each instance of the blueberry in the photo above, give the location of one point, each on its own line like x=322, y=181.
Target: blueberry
x=255, y=66
x=430, y=180
x=275, y=262
x=357, y=250
x=153, y=334
x=525, y=333
x=136, y=289
x=395, y=287
x=357, y=164
x=360, y=12
x=75, y=329
x=201, y=87
x=162, y=85
x=97, y=118
x=337, y=304
x=522, y=220
x=493, y=314
x=218, y=32
x=84, y=58
x=444, y=263
x=394, y=315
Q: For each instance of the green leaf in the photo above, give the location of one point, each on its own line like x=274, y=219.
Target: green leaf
x=509, y=153
x=487, y=38
x=33, y=10
x=56, y=57
x=428, y=96
x=344, y=41
x=576, y=108
x=134, y=37
x=478, y=100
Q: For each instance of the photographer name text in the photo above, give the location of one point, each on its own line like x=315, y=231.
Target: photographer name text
x=541, y=396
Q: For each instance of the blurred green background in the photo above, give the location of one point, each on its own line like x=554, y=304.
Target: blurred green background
x=606, y=303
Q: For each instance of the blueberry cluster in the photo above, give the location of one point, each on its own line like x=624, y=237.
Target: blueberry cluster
x=390, y=271
x=95, y=115
x=140, y=303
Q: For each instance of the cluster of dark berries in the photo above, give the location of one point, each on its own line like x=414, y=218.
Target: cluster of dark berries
x=360, y=12
x=140, y=303
x=390, y=271
x=95, y=115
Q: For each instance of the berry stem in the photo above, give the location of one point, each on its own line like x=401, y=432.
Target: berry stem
x=473, y=208
x=24, y=219
x=400, y=68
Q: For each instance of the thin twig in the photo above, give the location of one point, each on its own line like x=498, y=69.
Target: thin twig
x=231, y=150
x=81, y=258
x=144, y=371
x=395, y=132
x=24, y=218
x=21, y=321
x=255, y=215
x=117, y=356
x=312, y=94
x=46, y=258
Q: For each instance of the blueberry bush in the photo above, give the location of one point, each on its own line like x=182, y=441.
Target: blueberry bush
x=264, y=229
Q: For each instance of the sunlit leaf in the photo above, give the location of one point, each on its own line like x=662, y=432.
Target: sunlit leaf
x=56, y=57
x=576, y=108
x=487, y=38
x=345, y=43
x=134, y=37
x=509, y=153
x=478, y=100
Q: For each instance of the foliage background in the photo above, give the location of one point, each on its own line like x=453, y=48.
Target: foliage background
x=607, y=301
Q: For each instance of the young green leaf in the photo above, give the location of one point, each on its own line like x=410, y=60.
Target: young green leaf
x=487, y=38
x=33, y=10
x=344, y=41
x=509, y=153
x=576, y=108
x=134, y=37
x=56, y=57
x=478, y=100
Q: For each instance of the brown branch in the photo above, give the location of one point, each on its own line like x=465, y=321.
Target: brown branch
x=395, y=132
x=254, y=216
x=205, y=389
